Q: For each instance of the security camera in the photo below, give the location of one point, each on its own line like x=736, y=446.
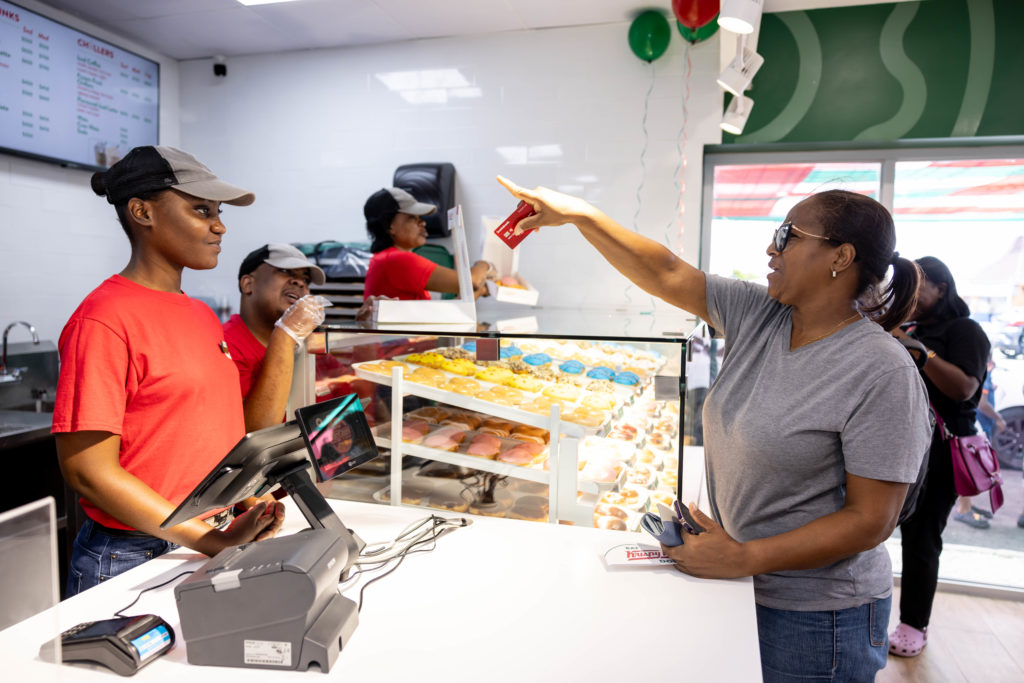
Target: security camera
x=220, y=67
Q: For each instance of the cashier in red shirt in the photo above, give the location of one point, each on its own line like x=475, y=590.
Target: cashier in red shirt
x=276, y=314
x=394, y=221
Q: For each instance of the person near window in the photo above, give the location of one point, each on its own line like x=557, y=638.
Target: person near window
x=275, y=316
x=147, y=399
x=813, y=429
x=394, y=221
x=953, y=351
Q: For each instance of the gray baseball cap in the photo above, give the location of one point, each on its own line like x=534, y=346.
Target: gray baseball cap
x=150, y=169
x=283, y=256
x=385, y=203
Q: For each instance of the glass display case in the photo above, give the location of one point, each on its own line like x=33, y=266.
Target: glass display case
x=579, y=417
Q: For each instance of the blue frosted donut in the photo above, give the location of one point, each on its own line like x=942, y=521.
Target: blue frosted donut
x=626, y=378
x=571, y=367
x=510, y=352
x=537, y=359
x=470, y=346
x=601, y=373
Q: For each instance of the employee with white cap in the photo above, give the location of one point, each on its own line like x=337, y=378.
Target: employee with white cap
x=277, y=313
x=394, y=220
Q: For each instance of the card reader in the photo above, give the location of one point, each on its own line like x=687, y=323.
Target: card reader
x=123, y=645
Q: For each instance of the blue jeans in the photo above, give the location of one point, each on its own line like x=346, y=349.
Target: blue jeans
x=843, y=645
x=99, y=556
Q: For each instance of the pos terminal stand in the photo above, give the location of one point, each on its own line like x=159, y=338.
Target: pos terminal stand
x=275, y=604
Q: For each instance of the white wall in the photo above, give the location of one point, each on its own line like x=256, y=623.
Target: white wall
x=314, y=133
x=58, y=240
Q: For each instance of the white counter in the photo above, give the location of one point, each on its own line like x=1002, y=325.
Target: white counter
x=502, y=600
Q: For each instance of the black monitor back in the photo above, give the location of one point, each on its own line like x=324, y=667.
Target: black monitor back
x=247, y=470
x=433, y=183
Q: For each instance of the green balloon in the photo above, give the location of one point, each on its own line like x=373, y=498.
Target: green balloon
x=649, y=35
x=703, y=33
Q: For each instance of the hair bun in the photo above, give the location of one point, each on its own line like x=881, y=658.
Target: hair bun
x=99, y=183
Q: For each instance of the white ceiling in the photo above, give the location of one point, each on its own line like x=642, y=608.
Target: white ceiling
x=195, y=29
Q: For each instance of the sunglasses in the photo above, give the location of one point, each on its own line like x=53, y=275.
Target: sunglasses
x=786, y=230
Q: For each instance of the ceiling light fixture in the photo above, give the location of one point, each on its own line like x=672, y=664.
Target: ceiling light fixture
x=741, y=70
x=736, y=114
x=262, y=2
x=740, y=16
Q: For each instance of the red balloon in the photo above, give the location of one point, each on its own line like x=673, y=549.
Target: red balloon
x=695, y=13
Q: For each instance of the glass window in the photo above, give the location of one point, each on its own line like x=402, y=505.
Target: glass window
x=750, y=201
x=969, y=213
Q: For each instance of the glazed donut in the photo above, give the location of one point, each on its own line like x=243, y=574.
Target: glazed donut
x=467, y=421
x=613, y=523
x=609, y=510
x=659, y=440
x=599, y=401
x=432, y=414
x=496, y=427
x=587, y=417
x=530, y=433
x=428, y=376
x=462, y=385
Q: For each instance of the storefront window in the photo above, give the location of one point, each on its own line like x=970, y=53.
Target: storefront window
x=750, y=201
x=969, y=213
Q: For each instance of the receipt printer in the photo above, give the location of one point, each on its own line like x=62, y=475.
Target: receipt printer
x=270, y=605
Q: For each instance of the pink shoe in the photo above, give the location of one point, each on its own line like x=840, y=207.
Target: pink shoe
x=907, y=641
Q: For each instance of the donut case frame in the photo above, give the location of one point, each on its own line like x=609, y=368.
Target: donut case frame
x=568, y=418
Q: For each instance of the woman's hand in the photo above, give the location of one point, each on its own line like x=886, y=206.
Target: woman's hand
x=712, y=554
x=550, y=207
x=258, y=523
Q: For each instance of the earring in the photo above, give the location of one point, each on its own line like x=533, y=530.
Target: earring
x=833, y=274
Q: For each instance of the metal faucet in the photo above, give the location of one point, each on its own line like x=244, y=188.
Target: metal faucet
x=14, y=375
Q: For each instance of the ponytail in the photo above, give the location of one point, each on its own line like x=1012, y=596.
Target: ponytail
x=895, y=305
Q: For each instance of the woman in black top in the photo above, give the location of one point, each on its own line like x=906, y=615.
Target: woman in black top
x=952, y=361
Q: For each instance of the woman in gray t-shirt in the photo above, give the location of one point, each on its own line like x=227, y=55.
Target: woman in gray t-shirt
x=814, y=428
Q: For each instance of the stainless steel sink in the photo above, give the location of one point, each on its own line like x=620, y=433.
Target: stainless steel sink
x=19, y=427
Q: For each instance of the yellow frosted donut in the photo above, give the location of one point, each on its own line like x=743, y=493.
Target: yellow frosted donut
x=562, y=392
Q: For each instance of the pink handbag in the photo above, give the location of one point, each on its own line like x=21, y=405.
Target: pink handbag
x=975, y=465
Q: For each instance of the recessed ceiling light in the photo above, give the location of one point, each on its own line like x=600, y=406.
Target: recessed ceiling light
x=263, y=2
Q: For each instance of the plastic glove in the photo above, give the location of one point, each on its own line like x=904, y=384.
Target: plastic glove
x=303, y=316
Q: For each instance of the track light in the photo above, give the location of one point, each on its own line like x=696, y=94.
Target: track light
x=740, y=16
x=735, y=117
x=741, y=70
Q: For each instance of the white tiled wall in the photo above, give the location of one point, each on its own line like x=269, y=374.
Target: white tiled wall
x=58, y=240
x=314, y=133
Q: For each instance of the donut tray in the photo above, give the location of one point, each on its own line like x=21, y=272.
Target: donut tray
x=382, y=436
x=496, y=409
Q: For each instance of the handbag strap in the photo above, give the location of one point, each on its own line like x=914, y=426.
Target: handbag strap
x=940, y=423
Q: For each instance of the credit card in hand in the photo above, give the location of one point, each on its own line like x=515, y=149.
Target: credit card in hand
x=507, y=230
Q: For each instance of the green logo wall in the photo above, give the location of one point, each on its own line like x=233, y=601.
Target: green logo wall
x=930, y=69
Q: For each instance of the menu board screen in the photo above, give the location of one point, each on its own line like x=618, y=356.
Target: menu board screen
x=68, y=97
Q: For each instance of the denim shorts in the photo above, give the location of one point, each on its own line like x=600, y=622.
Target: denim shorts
x=99, y=555
x=836, y=646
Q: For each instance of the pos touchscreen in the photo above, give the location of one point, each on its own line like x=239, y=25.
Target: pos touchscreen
x=337, y=435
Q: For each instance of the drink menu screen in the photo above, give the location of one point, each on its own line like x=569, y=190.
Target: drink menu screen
x=66, y=96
